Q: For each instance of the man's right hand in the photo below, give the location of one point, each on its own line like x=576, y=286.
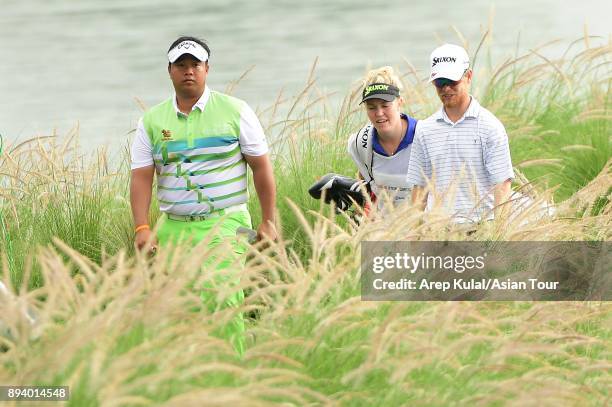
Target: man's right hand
x=144, y=240
x=267, y=229
x=140, y=199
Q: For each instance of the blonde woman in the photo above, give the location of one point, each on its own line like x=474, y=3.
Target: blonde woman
x=381, y=149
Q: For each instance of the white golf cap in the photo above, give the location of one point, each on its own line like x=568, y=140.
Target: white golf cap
x=448, y=61
x=187, y=47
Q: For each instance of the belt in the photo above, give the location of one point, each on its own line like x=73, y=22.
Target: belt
x=216, y=214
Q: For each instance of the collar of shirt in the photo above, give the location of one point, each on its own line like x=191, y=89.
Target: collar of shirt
x=472, y=112
x=200, y=104
x=402, y=145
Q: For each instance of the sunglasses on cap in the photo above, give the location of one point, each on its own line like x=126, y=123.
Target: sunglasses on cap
x=442, y=82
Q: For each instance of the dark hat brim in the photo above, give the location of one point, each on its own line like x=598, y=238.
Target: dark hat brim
x=384, y=96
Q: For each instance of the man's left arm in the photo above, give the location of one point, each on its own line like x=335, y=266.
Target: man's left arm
x=255, y=151
x=500, y=195
x=499, y=166
x=263, y=178
x=419, y=171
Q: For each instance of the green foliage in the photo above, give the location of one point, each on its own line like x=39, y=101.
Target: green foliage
x=84, y=205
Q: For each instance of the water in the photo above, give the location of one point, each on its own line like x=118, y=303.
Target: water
x=67, y=62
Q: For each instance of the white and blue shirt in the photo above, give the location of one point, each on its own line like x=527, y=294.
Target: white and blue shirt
x=463, y=159
x=388, y=172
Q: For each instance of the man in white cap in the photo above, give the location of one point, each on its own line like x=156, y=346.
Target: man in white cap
x=460, y=152
x=199, y=142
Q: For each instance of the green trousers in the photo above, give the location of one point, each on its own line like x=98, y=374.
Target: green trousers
x=176, y=232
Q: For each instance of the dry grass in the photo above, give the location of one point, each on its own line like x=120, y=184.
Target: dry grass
x=134, y=329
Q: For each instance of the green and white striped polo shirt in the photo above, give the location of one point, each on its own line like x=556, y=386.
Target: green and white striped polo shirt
x=198, y=157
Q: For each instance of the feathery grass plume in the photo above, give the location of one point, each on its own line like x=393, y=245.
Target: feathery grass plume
x=131, y=330
x=305, y=145
x=528, y=98
x=415, y=345
x=55, y=191
x=594, y=200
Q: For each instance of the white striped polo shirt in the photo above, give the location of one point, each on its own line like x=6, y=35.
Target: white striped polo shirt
x=465, y=160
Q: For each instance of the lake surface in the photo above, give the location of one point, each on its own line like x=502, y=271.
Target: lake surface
x=67, y=62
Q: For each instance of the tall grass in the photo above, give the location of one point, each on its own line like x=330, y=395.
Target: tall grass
x=307, y=143
x=557, y=109
x=51, y=190
x=123, y=329
x=131, y=331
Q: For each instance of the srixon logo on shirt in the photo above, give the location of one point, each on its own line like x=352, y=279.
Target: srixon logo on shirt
x=437, y=60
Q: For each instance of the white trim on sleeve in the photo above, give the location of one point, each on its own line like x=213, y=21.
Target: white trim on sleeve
x=142, y=150
x=252, y=137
